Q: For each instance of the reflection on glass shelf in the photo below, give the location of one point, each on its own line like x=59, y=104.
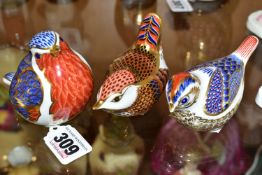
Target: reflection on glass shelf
x=117, y=149
x=9, y=60
x=102, y=30
x=182, y=151
x=207, y=5
x=250, y=118
x=69, y=26
x=199, y=38
x=10, y=57
x=129, y=4
x=15, y=22
x=43, y=160
x=7, y=114
x=256, y=168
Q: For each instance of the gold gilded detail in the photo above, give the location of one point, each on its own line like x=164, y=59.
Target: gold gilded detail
x=97, y=105
x=189, y=119
x=54, y=51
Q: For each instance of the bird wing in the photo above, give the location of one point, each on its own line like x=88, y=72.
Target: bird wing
x=139, y=61
x=25, y=90
x=224, y=83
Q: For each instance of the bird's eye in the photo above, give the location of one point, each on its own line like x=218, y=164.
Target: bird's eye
x=37, y=55
x=184, y=100
x=117, y=98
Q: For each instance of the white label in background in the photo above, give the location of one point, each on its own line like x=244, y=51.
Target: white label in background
x=179, y=5
x=66, y=143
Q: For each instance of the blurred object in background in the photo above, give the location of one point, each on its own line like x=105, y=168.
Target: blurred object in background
x=62, y=1
x=182, y=151
x=129, y=15
x=256, y=168
x=7, y=114
x=9, y=60
x=199, y=37
x=259, y=97
x=18, y=2
x=207, y=5
x=117, y=149
x=254, y=23
x=250, y=119
x=16, y=22
x=129, y=4
x=249, y=113
x=65, y=17
x=54, y=167
x=25, y=170
x=20, y=156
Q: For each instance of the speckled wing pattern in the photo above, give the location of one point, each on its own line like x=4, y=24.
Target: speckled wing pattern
x=215, y=93
x=139, y=61
x=25, y=91
x=116, y=82
x=149, y=93
x=144, y=66
x=224, y=83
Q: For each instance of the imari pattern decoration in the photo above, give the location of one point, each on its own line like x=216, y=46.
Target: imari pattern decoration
x=149, y=32
x=206, y=96
x=137, y=78
x=48, y=88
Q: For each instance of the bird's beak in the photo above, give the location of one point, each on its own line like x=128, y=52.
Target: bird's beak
x=171, y=108
x=97, y=105
x=55, y=50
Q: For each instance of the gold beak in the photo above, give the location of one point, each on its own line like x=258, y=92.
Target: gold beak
x=171, y=108
x=97, y=105
x=55, y=50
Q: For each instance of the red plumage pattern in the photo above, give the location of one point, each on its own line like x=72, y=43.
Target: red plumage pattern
x=71, y=82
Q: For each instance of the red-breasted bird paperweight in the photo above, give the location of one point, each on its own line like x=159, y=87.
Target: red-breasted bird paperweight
x=52, y=84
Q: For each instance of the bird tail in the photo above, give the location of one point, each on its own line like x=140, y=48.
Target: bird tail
x=149, y=31
x=7, y=79
x=247, y=47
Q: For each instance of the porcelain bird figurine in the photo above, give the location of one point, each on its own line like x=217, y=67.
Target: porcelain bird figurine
x=138, y=77
x=52, y=84
x=206, y=96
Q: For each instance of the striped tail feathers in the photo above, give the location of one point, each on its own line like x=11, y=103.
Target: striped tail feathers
x=7, y=79
x=247, y=47
x=149, y=31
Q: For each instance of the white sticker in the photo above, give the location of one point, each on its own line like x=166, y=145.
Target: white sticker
x=179, y=5
x=66, y=143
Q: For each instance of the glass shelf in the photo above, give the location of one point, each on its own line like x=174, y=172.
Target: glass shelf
x=153, y=143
